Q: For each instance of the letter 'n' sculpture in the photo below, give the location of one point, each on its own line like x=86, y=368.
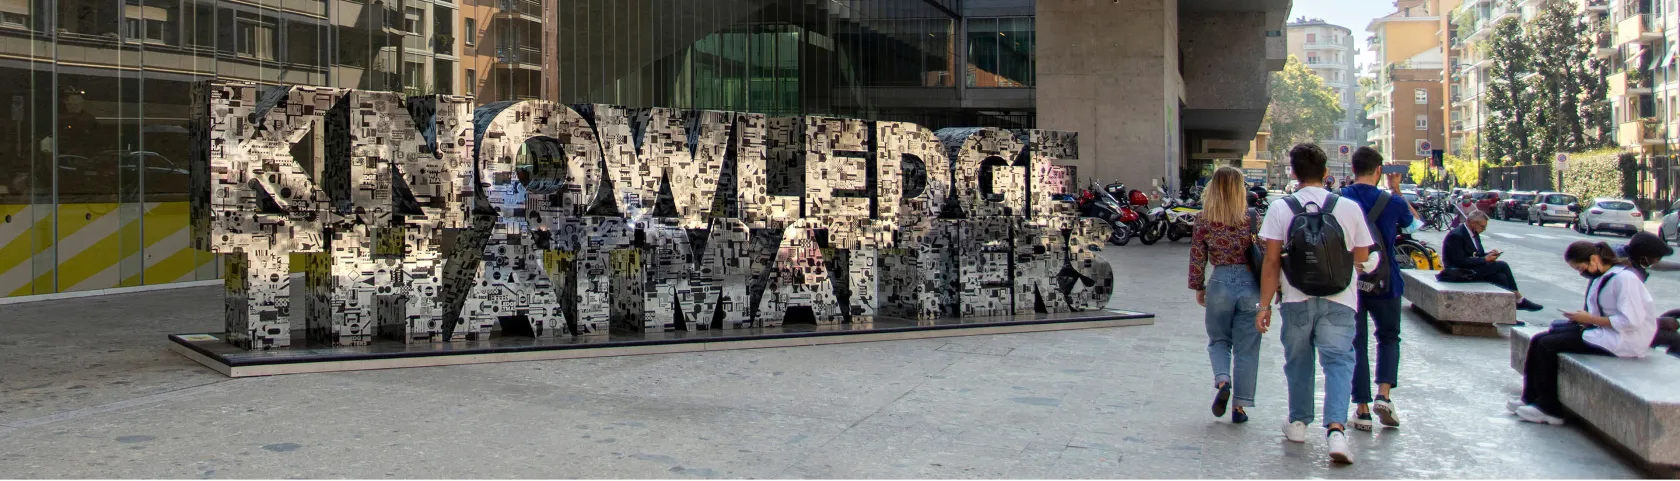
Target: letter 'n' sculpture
x=422, y=219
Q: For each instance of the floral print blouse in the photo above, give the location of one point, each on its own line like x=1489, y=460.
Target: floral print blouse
x=1220, y=245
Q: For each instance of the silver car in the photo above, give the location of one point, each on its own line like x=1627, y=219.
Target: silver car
x=1551, y=207
x=1670, y=230
x=1610, y=214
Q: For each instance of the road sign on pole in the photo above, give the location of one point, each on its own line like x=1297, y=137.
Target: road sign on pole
x=1562, y=162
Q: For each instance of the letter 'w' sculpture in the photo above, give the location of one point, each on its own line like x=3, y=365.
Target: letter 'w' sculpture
x=423, y=219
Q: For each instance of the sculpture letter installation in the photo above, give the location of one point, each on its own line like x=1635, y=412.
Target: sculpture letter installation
x=421, y=219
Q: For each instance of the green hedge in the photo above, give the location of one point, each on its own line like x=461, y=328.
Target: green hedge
x=1600, y=173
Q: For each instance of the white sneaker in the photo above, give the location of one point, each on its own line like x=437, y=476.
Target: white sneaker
x=1295, y=431
x=1534, y=415
x=1514, y=404
x=1339, y=451
x=1384, y=409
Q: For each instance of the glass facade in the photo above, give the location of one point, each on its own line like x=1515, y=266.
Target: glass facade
x=93, y=180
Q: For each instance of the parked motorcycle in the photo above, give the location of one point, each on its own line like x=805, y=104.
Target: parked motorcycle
x=1175, y=218
x=1098, y=203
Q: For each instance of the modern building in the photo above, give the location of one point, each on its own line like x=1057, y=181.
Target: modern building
x=1328, y=50
x=93, y=171
x=1408, y=81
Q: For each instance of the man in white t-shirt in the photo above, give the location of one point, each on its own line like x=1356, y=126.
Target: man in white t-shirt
x=1325, y=323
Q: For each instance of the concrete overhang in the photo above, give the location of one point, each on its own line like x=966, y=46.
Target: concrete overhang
x=1233, y=102
x=1277, y=11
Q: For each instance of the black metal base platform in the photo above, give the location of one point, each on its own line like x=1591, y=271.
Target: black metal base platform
x=212, y=351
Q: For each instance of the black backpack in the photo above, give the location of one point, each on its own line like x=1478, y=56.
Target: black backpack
x=1316, y=259
x=1376, y=282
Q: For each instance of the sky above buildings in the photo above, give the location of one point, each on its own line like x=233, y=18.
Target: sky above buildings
x=1353, y=14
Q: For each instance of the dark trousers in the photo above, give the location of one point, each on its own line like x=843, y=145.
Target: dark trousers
x=1541, y=368
x=1497, y=273
x=1386, y=314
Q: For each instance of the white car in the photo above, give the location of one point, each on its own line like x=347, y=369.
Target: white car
x=1551, y=207
x=1670, y=230
x=1608, y=214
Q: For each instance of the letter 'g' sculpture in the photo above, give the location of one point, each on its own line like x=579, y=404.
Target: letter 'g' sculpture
x=422, y=219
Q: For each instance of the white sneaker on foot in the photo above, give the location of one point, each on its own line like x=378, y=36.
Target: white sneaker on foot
x=1295, y=431
x=1339, y=450
x=1514, y=404
x=1534, y=415
x=1384, y=409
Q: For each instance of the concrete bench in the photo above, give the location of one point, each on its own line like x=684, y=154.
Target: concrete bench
x=1635, y=402
x=1472, y=308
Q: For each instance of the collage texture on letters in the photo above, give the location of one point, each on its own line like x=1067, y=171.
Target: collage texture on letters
x=423, y=219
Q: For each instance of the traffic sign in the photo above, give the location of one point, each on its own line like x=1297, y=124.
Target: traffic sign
x=1424, y=145
x=1562, y=162
x=1345, y=150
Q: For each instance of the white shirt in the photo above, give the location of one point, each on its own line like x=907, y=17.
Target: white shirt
x=1631, y=311
x=1354, y=231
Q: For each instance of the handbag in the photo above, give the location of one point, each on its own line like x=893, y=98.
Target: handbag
x=1256, y=255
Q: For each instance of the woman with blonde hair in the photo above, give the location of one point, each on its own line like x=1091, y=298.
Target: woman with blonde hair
x=1223, y=237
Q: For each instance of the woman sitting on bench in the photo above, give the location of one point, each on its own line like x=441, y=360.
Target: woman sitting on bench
x=1619, y=320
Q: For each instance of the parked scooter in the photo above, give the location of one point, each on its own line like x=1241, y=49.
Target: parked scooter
x=1412, y=253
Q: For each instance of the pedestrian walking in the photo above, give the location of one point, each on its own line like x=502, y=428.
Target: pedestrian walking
x=1618, y=318
x=1379, y=299
x=1324, y=237
x=1223, y=238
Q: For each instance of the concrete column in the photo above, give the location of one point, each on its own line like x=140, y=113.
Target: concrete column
x=1109, y=70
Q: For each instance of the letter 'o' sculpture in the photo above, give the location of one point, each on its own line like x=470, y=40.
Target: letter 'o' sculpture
x=422, y=219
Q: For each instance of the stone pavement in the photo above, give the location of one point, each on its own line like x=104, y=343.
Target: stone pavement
x=90, y=390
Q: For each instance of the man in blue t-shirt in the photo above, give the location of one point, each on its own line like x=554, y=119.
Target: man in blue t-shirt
x=1384, y=310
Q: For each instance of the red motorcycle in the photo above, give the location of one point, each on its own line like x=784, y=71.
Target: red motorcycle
x=1099, y=203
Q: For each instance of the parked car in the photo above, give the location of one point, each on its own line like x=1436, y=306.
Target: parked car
x=1610, y=214
x=1411, y=197
x=1670, y=229
x=1514, y=205
x=1552, y=207
x=1486, y=200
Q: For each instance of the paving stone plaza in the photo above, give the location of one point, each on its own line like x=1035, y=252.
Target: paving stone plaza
x=1126, y=402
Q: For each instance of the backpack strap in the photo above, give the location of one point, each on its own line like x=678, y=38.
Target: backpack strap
x=1294, y=205
x=1377, y=210
x=1603, y=281
x=1330, y=204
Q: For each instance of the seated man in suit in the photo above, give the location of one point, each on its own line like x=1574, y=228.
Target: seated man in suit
x=1462, y=253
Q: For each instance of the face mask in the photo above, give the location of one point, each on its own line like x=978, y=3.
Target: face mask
x=1590, y=275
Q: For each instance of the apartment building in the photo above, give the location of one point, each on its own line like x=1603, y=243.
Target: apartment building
x=1409, y=77
x=1328, y=50
x=1644, y=87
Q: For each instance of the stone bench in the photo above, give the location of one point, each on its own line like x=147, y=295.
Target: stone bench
x=1635, y=402
x=1472, y=308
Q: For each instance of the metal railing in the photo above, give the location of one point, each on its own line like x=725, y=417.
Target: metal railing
x=525, y=55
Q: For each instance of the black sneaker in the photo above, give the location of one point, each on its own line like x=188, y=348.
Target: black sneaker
x=1529, y=306
x=1222, y=400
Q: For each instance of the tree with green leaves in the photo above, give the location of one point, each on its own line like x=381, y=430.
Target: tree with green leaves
x=1560, y=57
x=1302, y=108
x=1506, y=129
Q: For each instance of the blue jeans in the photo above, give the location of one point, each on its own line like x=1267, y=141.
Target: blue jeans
x=1231, y=295
x=1327, y=327
x=1386, y=314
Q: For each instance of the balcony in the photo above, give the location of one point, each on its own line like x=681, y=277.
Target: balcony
x=1639, y=28
x=1639, y=133
x=521, y=9
x=1373, y=135
x=1604, y=46
x=519, y=57
x=1623, y=84
x=1376, y=113
x=1601, y=6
